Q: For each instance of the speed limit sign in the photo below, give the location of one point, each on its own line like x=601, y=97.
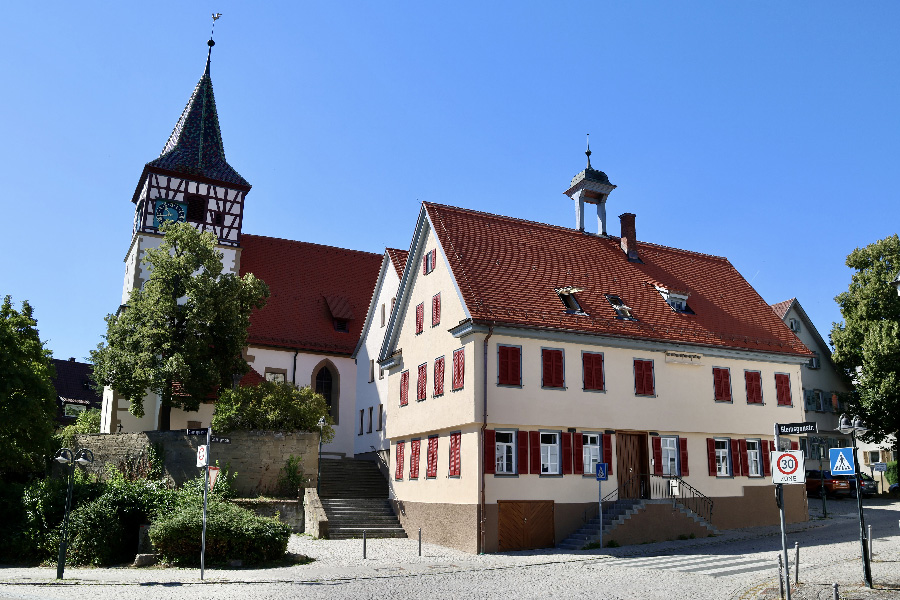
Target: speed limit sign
x=787, y=467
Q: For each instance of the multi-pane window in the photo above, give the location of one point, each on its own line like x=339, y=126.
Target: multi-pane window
x=753, y=381
x=723, y=466
x=428, y=262
x=722, y=384
x=420, y=317
x=439, y=376
x=754, y=464
x=509, y=370
x=783, y=389
x=435, y=310
x=369, y=428
x=404, y=388
x=455, y=442
x=414, y=447
x=422, y=382
x=431, y=471
x=371, y=370
x=590, y=452
x=669, y=446
x=276, y=377
x=592, y=371
x=380, y=416
x=504, y=454
x=553, y=375
x=643, y=377
x=362, y=414
x=398, y=460
x=459, y=368
x=549, y=453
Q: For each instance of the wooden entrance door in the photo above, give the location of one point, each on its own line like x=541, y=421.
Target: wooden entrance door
x=633, y=462
x=525, y=524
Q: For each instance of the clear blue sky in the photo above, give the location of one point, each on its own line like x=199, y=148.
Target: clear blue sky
x=766, y=132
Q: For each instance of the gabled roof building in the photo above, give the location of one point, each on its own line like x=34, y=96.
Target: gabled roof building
x=520, y=355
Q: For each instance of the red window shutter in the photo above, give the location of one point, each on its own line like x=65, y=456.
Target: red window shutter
x=559, y=379
x=606, y=442
x=552, y=368
x=795, y=445
x=745, y=460
x=425, y=263
x=682, y=447
x=766, y=459
x=398, y=460
x=754, y=387
x=404, y=388
x=455, y=440
x=421, y=382
x=783, y=388
x=578, y=452
x=459, y=368
x=433, y=259
x=509, y=370
x=490, y=451
x=566, y=453
x=722, y=384
x=657, y=456
x=414, y=459
x=515, y=366
x=522, y=452
x=711, y=456
x=592, y=368
x=736, y=467
x=546, y=369
x=648, y=378
x=432, y=456
x=439, y=376
x=435, y=310
x=534, y=439
x=643, y=377
x=420, y=316
x=503, y=366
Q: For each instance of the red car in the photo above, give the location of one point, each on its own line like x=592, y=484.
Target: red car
x=834, y=486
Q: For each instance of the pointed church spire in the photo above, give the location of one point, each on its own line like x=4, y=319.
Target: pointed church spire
x=588, y=153
x=195, y=146
x=590, y=186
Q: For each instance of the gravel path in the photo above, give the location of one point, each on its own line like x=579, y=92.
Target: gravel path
x=738, y=565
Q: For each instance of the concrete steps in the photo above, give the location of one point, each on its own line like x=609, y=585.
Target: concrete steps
x=354, y=495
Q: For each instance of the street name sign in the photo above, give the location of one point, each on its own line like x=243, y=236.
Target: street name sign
x=797, y=428
x=842, y=461
x=787, y=467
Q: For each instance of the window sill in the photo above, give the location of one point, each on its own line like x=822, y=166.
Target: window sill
x=756, y=404
x=551, y=475
x=593, y=391
x=506, y=475
x=724, y=401
x=510, y=385
x=646, y=395
x=558, y=389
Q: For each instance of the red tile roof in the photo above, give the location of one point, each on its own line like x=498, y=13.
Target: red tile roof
x=398, y=258
x=300, y=276
x=508, y=270
x=782, y=307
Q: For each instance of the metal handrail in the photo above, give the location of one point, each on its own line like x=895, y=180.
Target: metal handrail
x=647, y=486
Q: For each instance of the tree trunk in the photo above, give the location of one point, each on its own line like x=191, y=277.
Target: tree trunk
x=165, y=417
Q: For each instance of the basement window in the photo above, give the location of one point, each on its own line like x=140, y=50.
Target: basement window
x=567, y=295
x=623, y=311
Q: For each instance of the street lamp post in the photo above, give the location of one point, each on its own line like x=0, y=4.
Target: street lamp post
x=67, y=458
x=854, y=427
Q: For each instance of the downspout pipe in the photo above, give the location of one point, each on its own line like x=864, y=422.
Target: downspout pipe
x=483, y=427
x=294, y=372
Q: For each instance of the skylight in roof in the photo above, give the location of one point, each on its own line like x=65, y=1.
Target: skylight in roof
x=677, y=301
x=623, y=311
x=567, y=295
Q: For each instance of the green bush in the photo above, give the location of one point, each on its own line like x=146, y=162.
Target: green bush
x=232, y=532
x=88, y=421
x=291, y=477
x=891, y=473
x=224, y=488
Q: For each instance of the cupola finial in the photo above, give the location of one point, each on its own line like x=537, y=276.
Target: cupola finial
x=211, y=42
x=588, y=152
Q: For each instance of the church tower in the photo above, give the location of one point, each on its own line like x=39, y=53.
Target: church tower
x=189, y=181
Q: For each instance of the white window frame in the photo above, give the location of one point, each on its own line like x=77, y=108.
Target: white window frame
x=723, y=457
x=757, y=452
x=592, y=453
x=672, y=451
x=550, y=453
x=503, y=450
x=73, y=410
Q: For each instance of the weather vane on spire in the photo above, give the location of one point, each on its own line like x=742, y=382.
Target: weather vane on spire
x=215, y=17
x=588, y=152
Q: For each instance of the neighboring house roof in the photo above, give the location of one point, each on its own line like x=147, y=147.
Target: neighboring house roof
x=195, y=146
x=310, y=286
x=781, y=309
x=73, y=384
x=508, y=271
x=398, y=258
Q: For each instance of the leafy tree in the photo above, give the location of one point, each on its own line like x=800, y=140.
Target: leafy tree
x=88, y=421
x=867, y=342
x=270, y=406
x=27, y=396
x=181, y=334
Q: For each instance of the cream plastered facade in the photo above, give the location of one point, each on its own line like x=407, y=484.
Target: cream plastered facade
x=115, y=411
x=683, y=404
x=301, y=371
x=371, y=380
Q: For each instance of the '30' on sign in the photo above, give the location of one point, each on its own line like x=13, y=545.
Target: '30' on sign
x=787, y=467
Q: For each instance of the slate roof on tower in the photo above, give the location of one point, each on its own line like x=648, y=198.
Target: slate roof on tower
x=311, y=285
x=195, y=146
x=509, y=270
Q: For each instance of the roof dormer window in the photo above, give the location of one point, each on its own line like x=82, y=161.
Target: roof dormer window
x=794, y=324
x=623, y=311
x=567, y=295
x=677, y=301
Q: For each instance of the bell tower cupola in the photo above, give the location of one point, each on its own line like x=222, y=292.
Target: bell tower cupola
x=590, y=186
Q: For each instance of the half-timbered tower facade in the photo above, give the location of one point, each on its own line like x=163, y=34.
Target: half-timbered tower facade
x=520, y=355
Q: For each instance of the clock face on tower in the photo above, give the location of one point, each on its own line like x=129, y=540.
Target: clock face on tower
x=168, y=210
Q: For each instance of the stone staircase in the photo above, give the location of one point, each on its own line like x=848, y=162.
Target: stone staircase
x=354, y=495
x=616, y=515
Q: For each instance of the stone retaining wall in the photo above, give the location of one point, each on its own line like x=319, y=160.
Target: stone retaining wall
x=256, y=456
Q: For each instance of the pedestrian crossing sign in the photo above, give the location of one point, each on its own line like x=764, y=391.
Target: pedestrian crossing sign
x=842, y=461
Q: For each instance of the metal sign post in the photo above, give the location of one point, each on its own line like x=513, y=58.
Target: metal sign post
x=779, y=492
x=205, y=489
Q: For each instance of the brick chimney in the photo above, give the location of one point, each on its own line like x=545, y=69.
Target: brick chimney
x=628, y=240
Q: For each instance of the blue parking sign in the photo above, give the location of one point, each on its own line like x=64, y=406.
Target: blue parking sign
x=842, y=461
x=602, y=474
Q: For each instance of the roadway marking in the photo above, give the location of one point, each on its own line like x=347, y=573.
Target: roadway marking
x=714, y=566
